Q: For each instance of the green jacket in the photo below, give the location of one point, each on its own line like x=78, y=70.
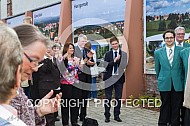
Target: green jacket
x=184, y=54
x=185, y=44
x=167, y=74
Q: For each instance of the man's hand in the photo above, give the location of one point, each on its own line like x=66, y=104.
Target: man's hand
x=49, y=55
x=117, y=58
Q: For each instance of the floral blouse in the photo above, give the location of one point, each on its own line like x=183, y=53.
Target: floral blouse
x=70, y=74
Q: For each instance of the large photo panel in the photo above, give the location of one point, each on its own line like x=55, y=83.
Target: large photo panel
x=160, y=15
x=99, y=20
x=47, y=20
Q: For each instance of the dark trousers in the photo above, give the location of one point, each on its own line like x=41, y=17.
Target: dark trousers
x=187, y=117
x=183, y=109
x=83, y=104
x=35, y=92
x=170, y=107
x=70, y=97
x=118, y=87
x=50, y=118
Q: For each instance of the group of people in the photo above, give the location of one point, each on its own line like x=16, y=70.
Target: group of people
x=56, y=77
x=21, y=56
x=171, y=66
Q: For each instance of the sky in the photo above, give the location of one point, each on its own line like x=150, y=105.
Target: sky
x=109, y=10
x=162, y=7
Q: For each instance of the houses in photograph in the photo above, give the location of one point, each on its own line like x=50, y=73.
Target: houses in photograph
x=178, y=17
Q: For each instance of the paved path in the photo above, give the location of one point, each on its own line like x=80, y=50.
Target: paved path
x=130, y=116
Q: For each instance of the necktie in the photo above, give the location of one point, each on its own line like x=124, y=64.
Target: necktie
x=171, y=56
x=179, y=44
x=115, y=66
x=83, y=54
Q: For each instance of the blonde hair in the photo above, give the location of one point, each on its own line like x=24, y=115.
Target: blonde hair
x=11, y=58
x=29, y=34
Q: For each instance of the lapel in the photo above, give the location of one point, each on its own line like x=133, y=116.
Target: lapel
x=185, y=44
x=111, y=55
x=175, y=55
x=78, y=52
x=164, y=55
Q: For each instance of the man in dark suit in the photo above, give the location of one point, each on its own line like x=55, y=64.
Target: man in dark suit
x=84, y=74
x=114, y=77
x=48, y=79
x=169, y=71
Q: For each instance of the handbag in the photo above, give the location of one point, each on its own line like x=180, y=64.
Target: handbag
x=94, y=70
x=90, y=122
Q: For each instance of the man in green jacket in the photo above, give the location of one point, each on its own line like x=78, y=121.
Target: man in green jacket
x=180, y=34
x=169, y=71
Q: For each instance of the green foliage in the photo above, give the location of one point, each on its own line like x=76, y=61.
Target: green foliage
x=172, y=24
x=162, y=26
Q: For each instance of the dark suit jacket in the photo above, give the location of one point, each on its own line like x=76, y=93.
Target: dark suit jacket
x=49, y=75
x=109, y=63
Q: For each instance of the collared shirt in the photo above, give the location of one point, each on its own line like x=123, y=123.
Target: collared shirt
x=168, y=51
x=114, y=58
x=8, y=116
x=179, y=44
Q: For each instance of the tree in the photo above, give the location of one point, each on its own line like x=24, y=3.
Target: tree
x=162, y=26
x=172, y=24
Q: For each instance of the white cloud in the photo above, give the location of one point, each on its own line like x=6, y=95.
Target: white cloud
x=188, y=10
x=181, y=2
x=160, y=4
x=185, y=1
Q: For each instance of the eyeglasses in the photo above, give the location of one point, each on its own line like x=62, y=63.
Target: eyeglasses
x=167, y=38
x=33, y=62
x=180, y=33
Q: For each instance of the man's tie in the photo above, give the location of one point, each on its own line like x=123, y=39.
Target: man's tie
x=115, y=66
x=171, y=56
x=83, y=54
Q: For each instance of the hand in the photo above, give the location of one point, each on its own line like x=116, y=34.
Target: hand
x=46, y=105
x=85, y=60
x=65, y=55
x=90, y=63
x=76, y=61
x=117, y=58
x=90, y=54
x=49, y=55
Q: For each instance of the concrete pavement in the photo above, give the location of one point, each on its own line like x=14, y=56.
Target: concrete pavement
x=130, y=116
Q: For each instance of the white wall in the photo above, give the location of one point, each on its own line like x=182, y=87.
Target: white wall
x=3, y=9
x=0, y=9
x=21, y=6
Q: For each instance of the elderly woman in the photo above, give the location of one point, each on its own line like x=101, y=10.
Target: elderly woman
x=34, y=45
x=10, y=67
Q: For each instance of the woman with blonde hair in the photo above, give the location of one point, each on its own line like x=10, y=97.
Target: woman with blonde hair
x=10, y=67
